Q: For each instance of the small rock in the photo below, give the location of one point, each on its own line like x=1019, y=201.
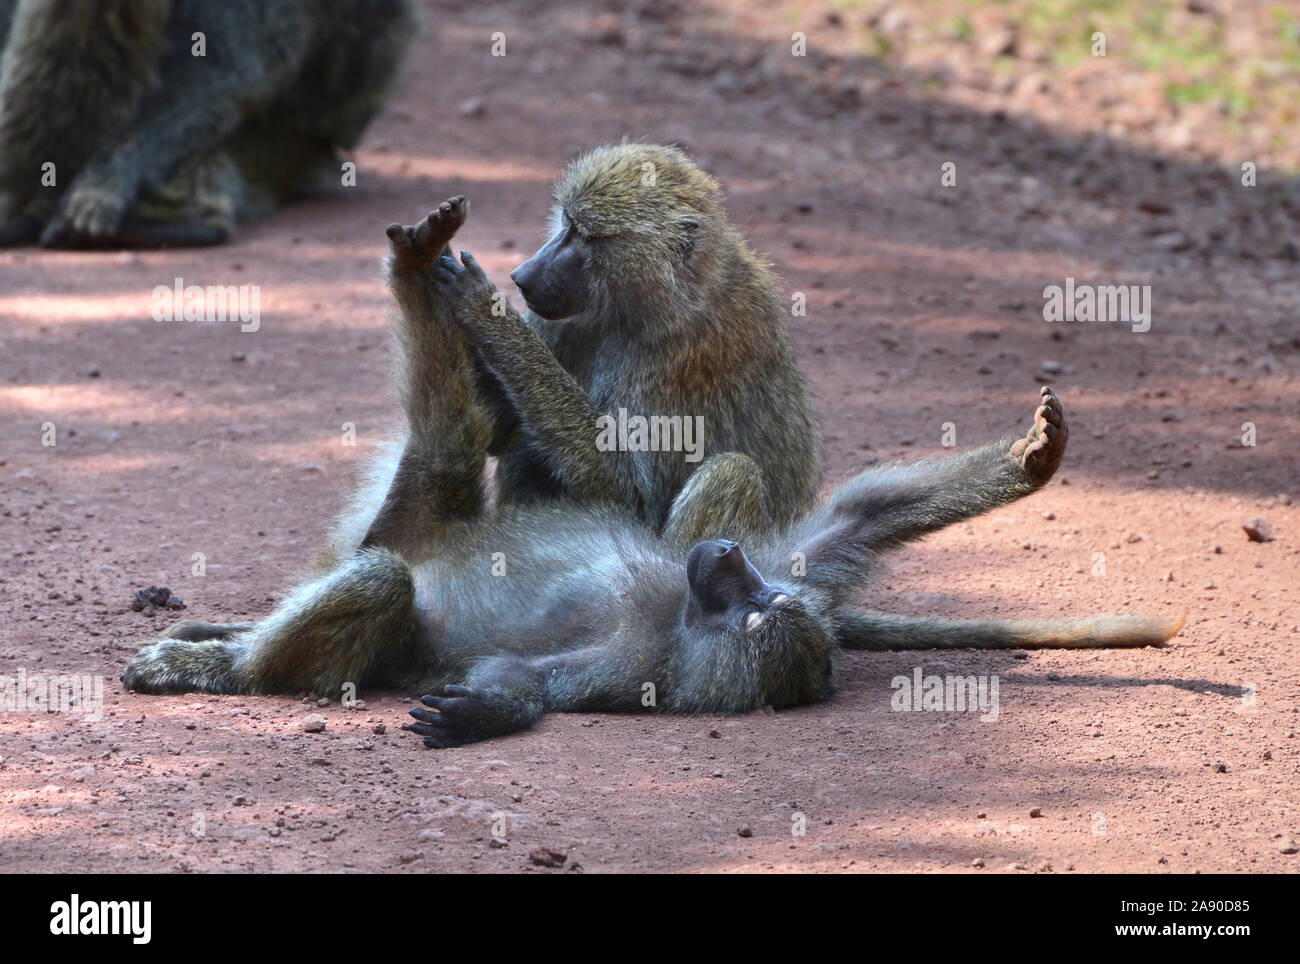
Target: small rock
x=1052, y=367
x=313, y=724
x=977, y=862
x=999, y=42
x=1036, y=812
x=380, y=729
x=1172, y=241
x=1288, y=846
x=746, y=831
x=474, y=107
x=410, y=858
x=545, y=857
x=431, y=834
x=1257, y=530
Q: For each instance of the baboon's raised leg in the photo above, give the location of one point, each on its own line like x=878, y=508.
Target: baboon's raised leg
x=353, y=625
x=439, y=474
x=357, y=624
x=885, y=507
x=724, y=498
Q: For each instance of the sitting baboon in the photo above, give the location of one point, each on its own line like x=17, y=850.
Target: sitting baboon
x=646, y=303
x=162, y=122
x=504, y=616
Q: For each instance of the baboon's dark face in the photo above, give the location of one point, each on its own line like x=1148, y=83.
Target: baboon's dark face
x=747, y=632
x=555, y=281
x=727, y=592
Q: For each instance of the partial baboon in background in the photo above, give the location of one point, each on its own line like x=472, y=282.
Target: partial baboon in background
x=592, y=611
x=646, y=302
x=167, y=120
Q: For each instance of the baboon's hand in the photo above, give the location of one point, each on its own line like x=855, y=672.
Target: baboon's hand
x=470, y=297
x=416, y=246
x=90, y=214
x=464, y=715
x=1039, y=453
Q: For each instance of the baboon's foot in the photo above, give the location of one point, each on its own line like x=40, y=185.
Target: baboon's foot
x=182, y=666
x=417, y=246
x=196, y=630
x=89, y=216
x=465, y=715
x=1039, y=453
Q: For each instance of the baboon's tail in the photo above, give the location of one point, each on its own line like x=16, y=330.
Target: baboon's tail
x=882, y=631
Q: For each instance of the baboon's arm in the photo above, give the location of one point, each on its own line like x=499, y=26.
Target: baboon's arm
x=505, y=694
x=552, y=406
x=197, y=103
x=440, y=473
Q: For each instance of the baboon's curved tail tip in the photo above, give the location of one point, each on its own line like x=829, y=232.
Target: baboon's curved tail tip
x=1119, y=631
x=879, y=631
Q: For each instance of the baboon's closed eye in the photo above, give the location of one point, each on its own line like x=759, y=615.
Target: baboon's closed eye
x=554, y=281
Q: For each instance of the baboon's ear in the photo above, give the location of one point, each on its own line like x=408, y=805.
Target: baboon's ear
x=689, y=228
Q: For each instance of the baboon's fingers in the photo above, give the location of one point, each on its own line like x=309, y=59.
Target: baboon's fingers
x=471, y=265
x=395, y=231
x=447, y=271
x=444, y=704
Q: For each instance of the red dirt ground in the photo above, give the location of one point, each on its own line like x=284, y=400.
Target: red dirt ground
x=924, y=307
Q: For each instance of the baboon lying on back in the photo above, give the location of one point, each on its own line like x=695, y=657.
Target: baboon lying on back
x=593, y=611
x=166, y=120
x=645, y=301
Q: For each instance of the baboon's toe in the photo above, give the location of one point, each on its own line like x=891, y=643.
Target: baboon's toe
x=419, y=245
x=1039, y=453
